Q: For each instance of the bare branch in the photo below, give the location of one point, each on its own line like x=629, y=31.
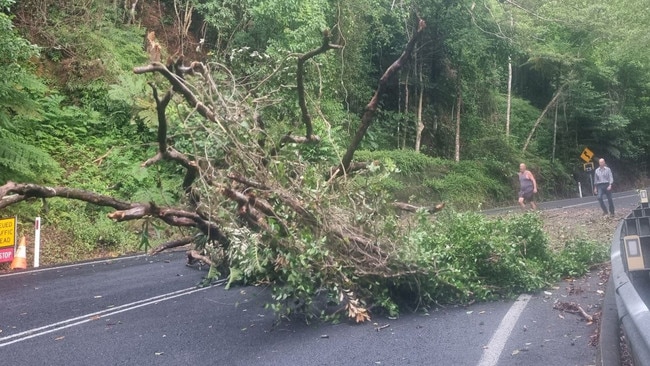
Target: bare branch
x=125, y=211
x=165, y=152
x=553, y=101
x=292, y=202
x=172, y=244
x=193, y=256
x=371, y=108
x=179, y=85
x=299, y=139
x=34, y=190
x=412, y=208
x=300, y=76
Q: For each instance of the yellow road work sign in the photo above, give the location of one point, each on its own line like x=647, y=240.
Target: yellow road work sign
x=7, y=232
x=7, y=239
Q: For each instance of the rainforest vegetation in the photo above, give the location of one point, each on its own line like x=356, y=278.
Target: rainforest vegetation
x=334, y=149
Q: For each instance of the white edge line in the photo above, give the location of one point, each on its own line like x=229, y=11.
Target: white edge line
x=498, y=341
x=586, y=203
x=91, y=314
x=36, y=332
x=36, y=270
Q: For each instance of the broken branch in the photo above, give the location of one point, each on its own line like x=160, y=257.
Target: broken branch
x=371, y=108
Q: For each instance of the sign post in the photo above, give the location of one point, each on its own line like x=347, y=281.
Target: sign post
x=37, y=241
x=588, y=166
x=7, y=239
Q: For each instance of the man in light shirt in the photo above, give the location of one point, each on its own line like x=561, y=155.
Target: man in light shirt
x=603, y=180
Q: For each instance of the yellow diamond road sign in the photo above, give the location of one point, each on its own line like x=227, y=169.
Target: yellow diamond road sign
x=586, y=155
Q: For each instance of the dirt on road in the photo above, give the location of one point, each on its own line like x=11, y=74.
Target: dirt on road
x=580, y=223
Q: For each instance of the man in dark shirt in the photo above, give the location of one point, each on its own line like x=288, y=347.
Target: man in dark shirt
x=527, y=187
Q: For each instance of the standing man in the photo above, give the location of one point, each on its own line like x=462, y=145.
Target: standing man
x=603, y=180
x=527, y=187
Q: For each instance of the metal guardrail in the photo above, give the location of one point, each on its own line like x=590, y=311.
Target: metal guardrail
x=633, y=314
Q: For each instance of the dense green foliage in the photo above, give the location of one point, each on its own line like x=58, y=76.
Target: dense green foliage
x=73, y=113
x=457, y=258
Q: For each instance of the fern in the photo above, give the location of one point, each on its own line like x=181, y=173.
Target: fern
x=21, y=162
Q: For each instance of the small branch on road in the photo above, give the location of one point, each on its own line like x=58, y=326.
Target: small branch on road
x=193, y=256
x=573, y=308
x=412, y=208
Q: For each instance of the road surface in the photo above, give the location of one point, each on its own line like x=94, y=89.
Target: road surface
x=147, y=310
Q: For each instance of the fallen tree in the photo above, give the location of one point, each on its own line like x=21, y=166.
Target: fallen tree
x=257, y=213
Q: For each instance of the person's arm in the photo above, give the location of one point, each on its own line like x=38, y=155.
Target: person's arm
x=611, y=180
x=532, y=177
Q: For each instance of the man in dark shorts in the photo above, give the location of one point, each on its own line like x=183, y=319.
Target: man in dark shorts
x=527, y=187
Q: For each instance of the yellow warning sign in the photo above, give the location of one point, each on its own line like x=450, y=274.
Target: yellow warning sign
x=586, y=155
x=7, y=232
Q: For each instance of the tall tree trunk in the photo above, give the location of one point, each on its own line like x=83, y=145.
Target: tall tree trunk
x=399, y=106
x=459, y=103
x=420, y=125
x=509, y=101
x=406, y=105
x=554, y=133
x=541, y=116
x=509, y=97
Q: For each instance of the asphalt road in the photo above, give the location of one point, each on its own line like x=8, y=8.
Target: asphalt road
x=146, y=310
x=622, y=201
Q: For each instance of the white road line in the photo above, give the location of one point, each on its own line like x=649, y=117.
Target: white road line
x=494, y=349
x=587, y=203
x=72, y=265
x=37, y=332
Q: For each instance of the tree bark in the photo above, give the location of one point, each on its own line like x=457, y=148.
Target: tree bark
x=554, y=133
x=509, y=98
x=406, y=110
x=125, y=211
x=172, y=244
x=459, y=103
x=509, y=101
x=419, y=125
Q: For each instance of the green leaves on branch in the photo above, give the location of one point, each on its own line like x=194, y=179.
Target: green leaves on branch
x=454, y=258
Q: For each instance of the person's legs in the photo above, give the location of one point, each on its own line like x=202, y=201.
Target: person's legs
x=602, y=191
x=610, y=201
x=526, y=197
